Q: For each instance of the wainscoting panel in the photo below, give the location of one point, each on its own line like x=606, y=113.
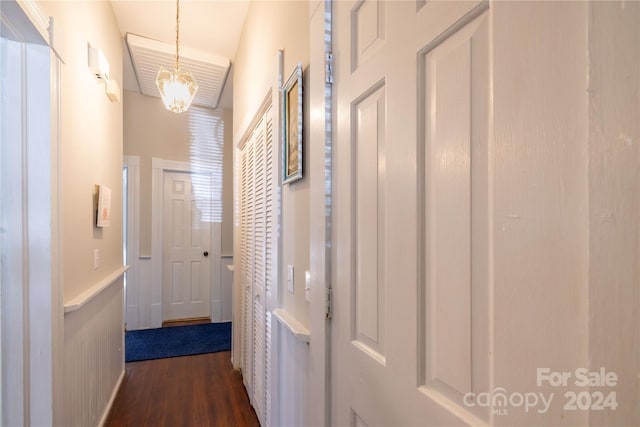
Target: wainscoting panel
x=132, y=301
x=146, y=312
x=138, y=289
x=226, y=293
x=292, y=388
x=93, y=357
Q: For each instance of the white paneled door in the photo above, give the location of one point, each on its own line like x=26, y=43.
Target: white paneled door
x=186, y=252
x=410, y=182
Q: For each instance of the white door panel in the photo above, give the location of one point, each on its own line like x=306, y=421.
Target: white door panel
x=405, y=212
x=187, y=235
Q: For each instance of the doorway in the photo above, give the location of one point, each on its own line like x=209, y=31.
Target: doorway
x=185, y=197
x=187, y=232
x=144, y=287
x=30, y=309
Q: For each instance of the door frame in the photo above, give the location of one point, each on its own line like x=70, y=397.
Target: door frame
x=238, y=352
x=134, y=288
x=320, y=168
x=159, y=167
x=36, y=396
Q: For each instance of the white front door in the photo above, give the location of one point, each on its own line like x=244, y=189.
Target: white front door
x=186, y=253
x=410, y=96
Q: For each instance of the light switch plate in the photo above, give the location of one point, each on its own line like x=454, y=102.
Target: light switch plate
x=290, y=278
x=96, y=259
x=307, y=286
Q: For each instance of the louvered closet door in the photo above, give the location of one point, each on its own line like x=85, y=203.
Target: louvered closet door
x=271, y=179
x=258, y=207
x=247, y=262
x=259, y=271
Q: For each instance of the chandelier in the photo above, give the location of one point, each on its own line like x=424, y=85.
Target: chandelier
x=177, y=87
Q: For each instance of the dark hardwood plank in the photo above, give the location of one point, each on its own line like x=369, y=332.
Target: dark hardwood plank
x=186, y=322
x=201, y=390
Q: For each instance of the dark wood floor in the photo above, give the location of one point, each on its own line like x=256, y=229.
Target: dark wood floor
x=201, y=390
x=186, y=322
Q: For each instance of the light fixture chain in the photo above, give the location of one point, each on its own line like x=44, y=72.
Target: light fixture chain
x=177, y=34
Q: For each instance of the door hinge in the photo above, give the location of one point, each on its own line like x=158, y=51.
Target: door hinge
x=329, y=312
x=328, y=68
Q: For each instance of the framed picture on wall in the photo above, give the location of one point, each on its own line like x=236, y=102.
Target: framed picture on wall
x=292, y=127
x=103, y=215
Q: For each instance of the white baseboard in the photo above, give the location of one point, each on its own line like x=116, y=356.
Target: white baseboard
x=112, y=399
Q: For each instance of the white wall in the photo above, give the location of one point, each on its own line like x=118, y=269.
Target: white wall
x=269, y=27
x=90, y=154
x=91, y=143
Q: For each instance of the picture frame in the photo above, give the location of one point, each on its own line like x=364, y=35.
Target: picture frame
x=292, y=127
x=103, y=212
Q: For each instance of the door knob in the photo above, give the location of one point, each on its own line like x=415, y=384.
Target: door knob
x=205, y=253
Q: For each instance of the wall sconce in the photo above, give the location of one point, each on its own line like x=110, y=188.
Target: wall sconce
x=99, y=66
x=98, y=63
x=112, y=90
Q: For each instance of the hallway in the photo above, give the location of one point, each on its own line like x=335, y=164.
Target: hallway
x=201, y=390
x=411, y=212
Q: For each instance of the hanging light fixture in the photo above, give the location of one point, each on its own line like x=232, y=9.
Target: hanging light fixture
x=177, y=87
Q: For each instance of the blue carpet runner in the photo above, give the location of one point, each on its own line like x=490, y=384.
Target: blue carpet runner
x=176, y=341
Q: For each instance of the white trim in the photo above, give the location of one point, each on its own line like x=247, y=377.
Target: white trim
x=157, y=198
x=57, y=294
x=135, y=287
x=319, y=172
x=80, y=300
x=132, y=163
x=44, y=30
x=277, y=134
x=37, y=17
x=158, y=167
x=25, y=21
x=292, y=324
x=112, y=399
x=276, y=298
x=35, y=375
